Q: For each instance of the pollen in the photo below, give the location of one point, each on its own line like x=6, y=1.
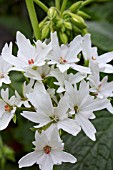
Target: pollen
x=1, y=75
x=7, y=108
x=62, y=60
x=93, y=58
x=31, y=61
x=47, y=149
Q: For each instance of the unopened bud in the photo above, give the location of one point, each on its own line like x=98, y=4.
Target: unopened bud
x=68, y=25
x=45, y=31
x=83, y=15
x=63, y=37
x=75, y=7
x=78, y=21
x=52, y=13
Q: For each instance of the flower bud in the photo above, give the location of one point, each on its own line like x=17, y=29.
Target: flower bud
x=78, y=21
x=52, y=13
x=76, y=29
x=68, y=25
x=63, y=37
x=59, y=23
x=46, y=30
x=83, y=15
x=75, y=7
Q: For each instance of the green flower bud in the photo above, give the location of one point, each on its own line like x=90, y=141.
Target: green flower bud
x=83, y=15
x=76, y=29
x=52, y=13
x=46, y=30
x=77, y=20
x=59, y=23
x=75, y=7
x=68, y=25
x=63, y=37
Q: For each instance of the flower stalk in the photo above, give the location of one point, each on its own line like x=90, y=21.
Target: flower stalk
x=63, y=5
x=40, y=4
x=33, y=18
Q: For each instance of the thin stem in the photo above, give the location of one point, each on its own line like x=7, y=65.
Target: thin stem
x=40, y=4
x=63, y=5
x=26, y=109
x=57, y=4
x=11, y=87
x=33, y=18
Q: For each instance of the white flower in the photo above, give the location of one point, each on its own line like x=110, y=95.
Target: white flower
x=100, y=88
x=7, y=109
x=48, y=151
x=83, y=105
x=66, y=56
x=39, y=73
x=90, y=53
x=47, y=114
x=61, y=77
x=29, y=57
x=23, y=99
x=5, y=67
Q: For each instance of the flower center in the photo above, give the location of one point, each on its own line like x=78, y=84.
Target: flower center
x=76, y=109
x=47, y=149
x=7, y=108
x=1, y=75
x=93, y=58
x=55, y=119
x=31, y=61
x=62, y=60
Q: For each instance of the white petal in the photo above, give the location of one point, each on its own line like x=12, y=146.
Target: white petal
x=5, y=119
x=69, y=126
x=87, y=126
x=59, y=156
x=30, y=159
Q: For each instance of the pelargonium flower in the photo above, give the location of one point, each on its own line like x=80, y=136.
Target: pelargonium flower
x=23, y=100
x=100, y=88
x=62, y=77
x=66, y=56
x=47, y=114
x=7, y=108
x=90, y=53
x=48, y=151
x=29, y=57
x=5, y=67
x=83, y=105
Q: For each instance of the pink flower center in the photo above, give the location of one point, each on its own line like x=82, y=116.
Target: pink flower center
x=47, y=149
x=30, y=61
x=93, y=58
x=7, y=108
x=62, y=60
x=1, y=75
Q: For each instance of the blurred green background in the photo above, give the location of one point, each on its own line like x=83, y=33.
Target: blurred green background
x=91, y=155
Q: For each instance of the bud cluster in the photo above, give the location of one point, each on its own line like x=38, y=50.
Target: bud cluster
x=68, y=23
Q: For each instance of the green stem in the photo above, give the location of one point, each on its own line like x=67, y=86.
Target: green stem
x=57, y=4
x=33, y=18
x=63, y=5
x=40, y=4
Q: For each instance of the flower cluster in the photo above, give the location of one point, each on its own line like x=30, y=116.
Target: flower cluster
x=63, y=91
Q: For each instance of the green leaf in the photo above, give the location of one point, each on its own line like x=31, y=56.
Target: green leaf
x=91, y=155
x=102, y=34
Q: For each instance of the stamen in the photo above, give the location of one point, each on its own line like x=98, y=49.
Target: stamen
x=76, y=109
x=93, y=58
x=7, y=108
x=1, y=75
x=62, y=61
x=30, y=61
x=47, y=149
